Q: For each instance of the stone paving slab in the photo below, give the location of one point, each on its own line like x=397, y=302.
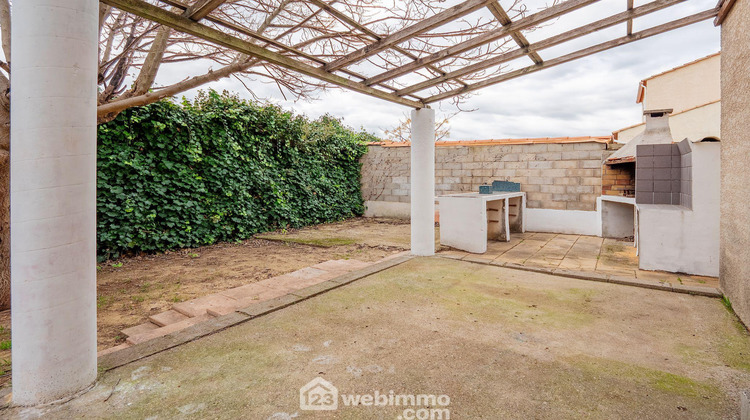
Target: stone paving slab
x=604, y=277
x=168, y=317
x=341, y=265
x=158, y=332
x=112, y=349
x=306, y=273
x=199, y=306
x=589, y=254
x=139, y=329
x=256, y=291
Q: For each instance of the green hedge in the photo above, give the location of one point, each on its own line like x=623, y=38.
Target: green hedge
x=220, y=169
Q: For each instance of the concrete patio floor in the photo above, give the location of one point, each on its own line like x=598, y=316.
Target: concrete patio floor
x=533, y=249
x=579, y=253
x=501, y=343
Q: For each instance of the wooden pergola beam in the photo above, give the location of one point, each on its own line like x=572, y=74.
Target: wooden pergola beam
x=656, y=30
x=546, y=43
x=404, y=34
x=280, y=45
x=726, y=6
x=356, y=25
x=630, y=21
x=245, y=31
x=201, y=9
x=532, y=20
x=502, y=16
x=183, y=24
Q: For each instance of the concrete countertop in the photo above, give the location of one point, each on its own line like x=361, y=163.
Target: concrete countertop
x=486, y=197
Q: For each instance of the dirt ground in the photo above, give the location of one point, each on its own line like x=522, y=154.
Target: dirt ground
x=500, y=343
x=129, y=290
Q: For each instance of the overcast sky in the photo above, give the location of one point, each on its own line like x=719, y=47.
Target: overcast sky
x=590, y=96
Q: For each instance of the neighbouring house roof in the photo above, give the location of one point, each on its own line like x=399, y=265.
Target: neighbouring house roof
x=493, y=142
x=644, y=82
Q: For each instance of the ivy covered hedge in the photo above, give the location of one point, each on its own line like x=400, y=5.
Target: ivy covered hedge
x=220, y=169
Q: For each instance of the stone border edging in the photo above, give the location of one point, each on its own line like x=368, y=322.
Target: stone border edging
x=600, y=277
x=211, y=326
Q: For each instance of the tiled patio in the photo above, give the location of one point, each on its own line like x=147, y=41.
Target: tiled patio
x=578, y=253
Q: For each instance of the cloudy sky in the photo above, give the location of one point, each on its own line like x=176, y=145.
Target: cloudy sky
x=590, y=96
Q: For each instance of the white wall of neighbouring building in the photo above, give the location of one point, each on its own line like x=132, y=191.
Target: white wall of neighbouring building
x=685, y=87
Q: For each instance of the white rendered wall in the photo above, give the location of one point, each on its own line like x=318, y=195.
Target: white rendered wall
x=537, y=220
x=697, y=123
x=392, y=209
x=564, y=221
x=687, y=87
x=677, y=239
x=53, y=198
x=618, y=219
x=423, y=182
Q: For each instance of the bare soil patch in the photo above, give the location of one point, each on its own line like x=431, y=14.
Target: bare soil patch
x=129, y=290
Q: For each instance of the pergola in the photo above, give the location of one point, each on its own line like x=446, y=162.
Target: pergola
x=53, y=163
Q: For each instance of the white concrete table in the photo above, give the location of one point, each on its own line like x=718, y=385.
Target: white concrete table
x=468, y=220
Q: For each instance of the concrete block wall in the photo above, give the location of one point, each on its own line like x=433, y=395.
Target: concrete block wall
x=562, y=176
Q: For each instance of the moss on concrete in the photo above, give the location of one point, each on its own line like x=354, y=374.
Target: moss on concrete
x=501, y=343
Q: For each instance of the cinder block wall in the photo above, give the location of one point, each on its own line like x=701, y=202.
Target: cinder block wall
x=563, y=176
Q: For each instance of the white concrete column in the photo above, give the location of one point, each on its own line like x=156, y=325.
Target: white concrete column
x=423, y=182
x=53, y=198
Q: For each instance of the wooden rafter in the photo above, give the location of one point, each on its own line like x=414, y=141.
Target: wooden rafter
x=630, y=21
x=296, y=59
x=398, y=37
x=275, y=41
x=517, y=36
x=183, y=24
x=679, y=23
x=725, y=7
x=543, y=44
x=358, y=26
x=487, y=37
x=201, y=9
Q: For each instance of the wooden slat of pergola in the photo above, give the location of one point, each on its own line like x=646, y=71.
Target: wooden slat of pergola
x=656, y=30
x=398, y=37
x=201, y=9
x=258, y=34
x=365, y=30
x=502, y=16
x=544, y=44
x=376, y=85
x=189, y=26
x=487, y=37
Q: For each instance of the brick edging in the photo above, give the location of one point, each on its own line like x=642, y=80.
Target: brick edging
x=212, y=326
